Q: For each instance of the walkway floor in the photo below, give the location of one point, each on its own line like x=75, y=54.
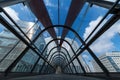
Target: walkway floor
x=56, y=77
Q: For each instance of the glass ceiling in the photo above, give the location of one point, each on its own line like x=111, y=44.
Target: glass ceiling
x=80, y=17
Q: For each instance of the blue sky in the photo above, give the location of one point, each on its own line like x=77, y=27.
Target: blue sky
x=110, y=41
x=93, y=16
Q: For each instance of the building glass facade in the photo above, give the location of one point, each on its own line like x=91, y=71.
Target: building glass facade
x=110, y=60
x=11, y=47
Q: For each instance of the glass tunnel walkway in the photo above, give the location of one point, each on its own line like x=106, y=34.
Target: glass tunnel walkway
x=59, y=40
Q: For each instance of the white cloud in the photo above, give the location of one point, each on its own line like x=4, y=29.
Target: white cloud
x=85, y=56
x=104, y=43
x=91, y=26
x=50, y=4
x=56, y=30
x=12, y=13
x=66, y=46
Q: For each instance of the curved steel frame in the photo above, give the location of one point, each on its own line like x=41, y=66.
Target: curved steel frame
x=69, y=69
x=71, y=49
x=58, y=55
x=55, y=57
x=64, y=40
x=87, y=48
x=66, y=52
x=76, y=56
x=62, y=48
x=66, y=55
x=53, y=54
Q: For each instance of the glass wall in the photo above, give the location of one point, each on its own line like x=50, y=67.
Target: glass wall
x=11, y=47
x=26, y=47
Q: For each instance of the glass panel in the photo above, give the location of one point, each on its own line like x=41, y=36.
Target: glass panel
x=77, y=66
x=26, y=63
x=73, y=69
x=20, y=12
x=38, y=66
x=45, y=68
x=23, y=17
x=88, y=62
x=65, y=52
x=40, y=43
x=65, y=44
x=10, y=48
x=75, y=42
x=52, y=7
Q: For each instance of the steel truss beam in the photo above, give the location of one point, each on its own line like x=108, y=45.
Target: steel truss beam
x=41, y=31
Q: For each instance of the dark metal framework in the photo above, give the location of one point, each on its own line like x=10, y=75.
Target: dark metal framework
x=89, y=50
x=60, y=58
x=61, y=52
x=51, y=49
x=58, y=55
x=8, y=26
x=63, y=59
x=66, y=55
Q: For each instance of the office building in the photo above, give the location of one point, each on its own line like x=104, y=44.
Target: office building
x=12, y=47
x=111, y=61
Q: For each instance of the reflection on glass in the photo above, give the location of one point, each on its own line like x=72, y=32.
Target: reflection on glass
x=88, y=62
x=10, y=48
x=38, y=66
x=26, y=63
x=77, y=66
